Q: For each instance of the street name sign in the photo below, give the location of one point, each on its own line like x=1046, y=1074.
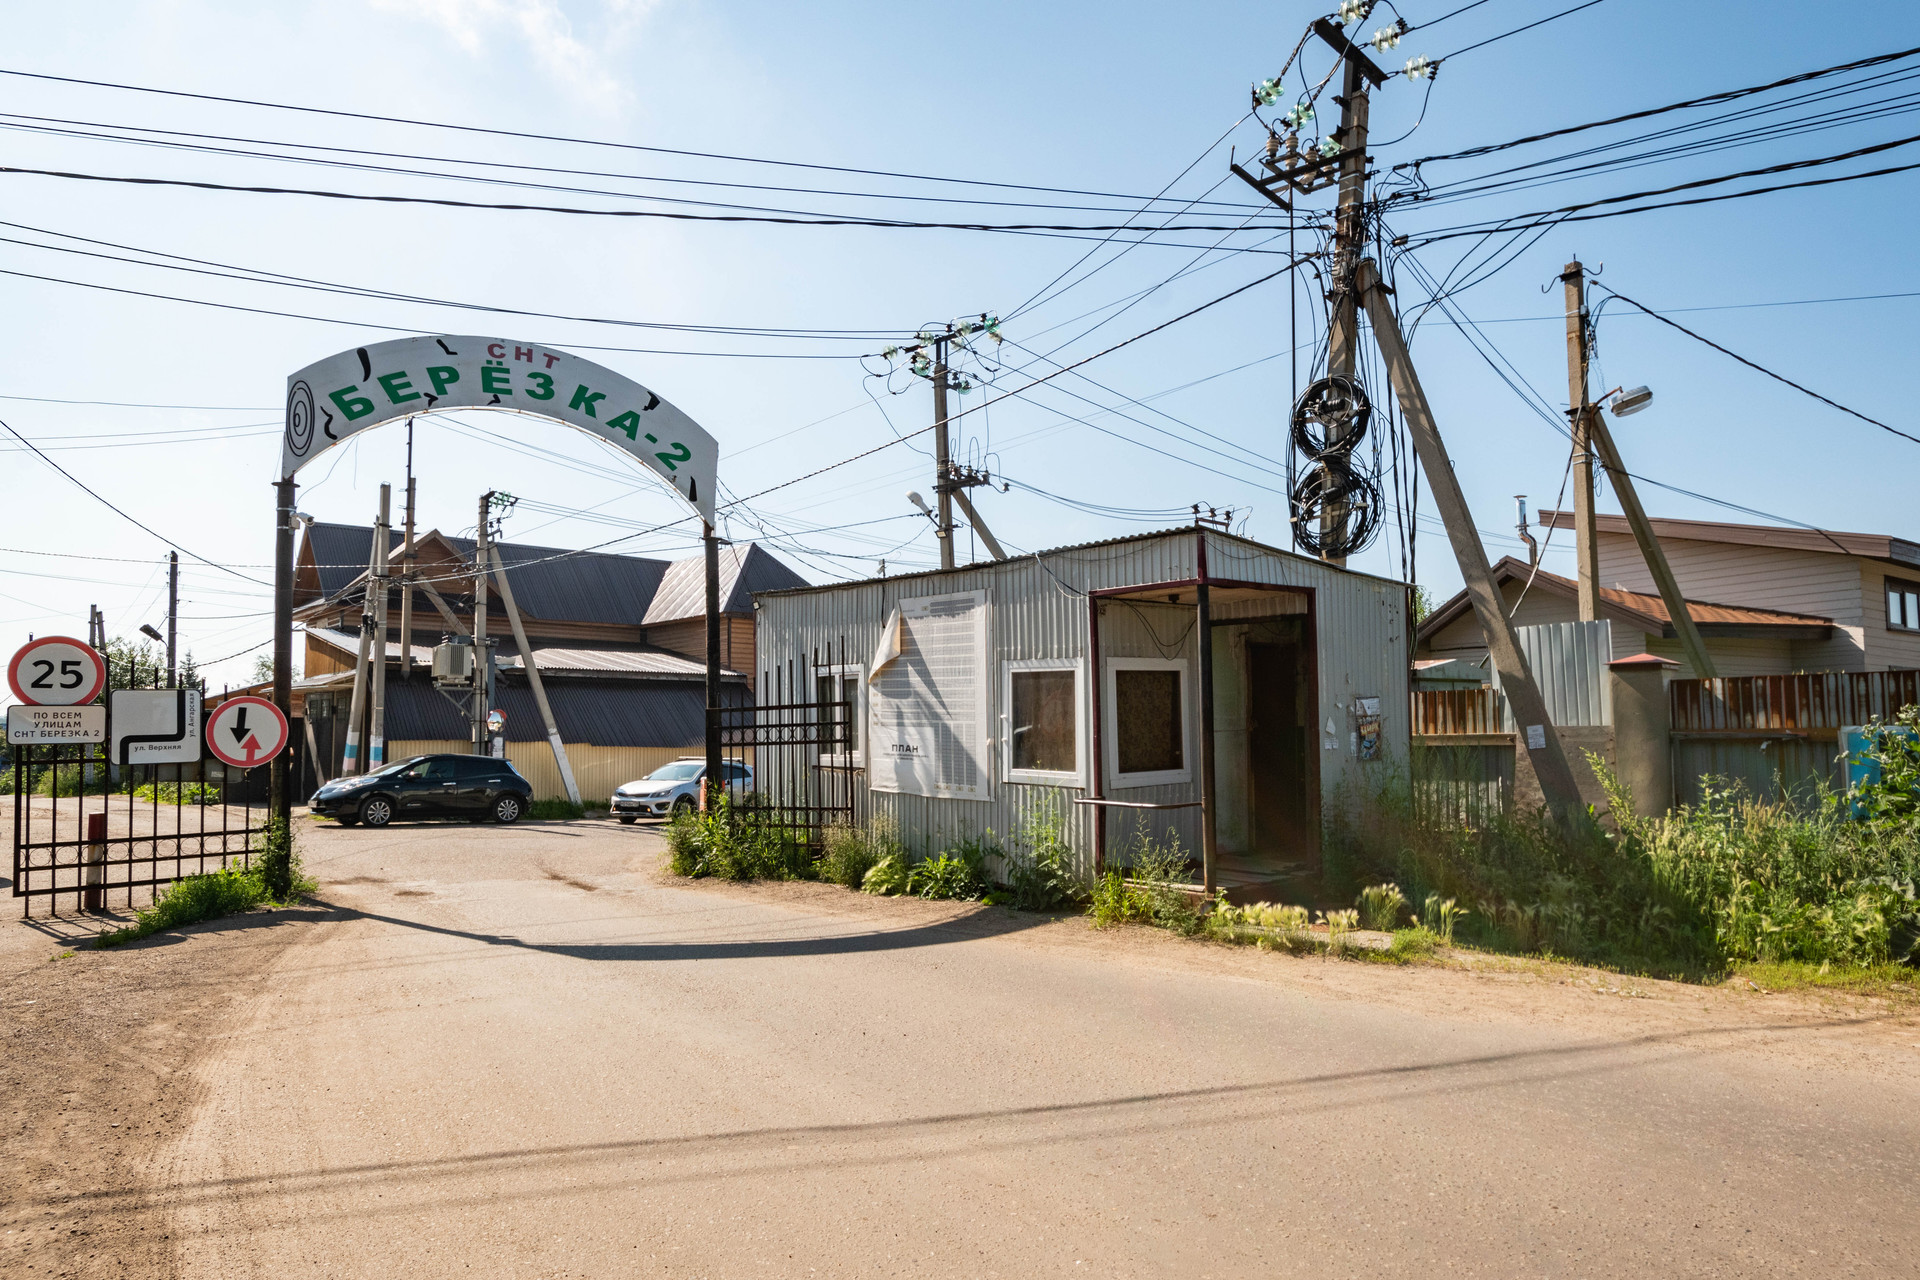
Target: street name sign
x=155, y=726
x=246, y=732
x=57, y=671
x=30, y=726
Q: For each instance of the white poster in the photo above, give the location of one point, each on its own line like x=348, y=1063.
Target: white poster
x=928, y=707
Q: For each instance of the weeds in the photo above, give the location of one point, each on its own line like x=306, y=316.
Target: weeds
x=193, y=899
x=1039, y=866
x=178, y=793
x=960, y=873
x=893, y=874
x=1381, y=907
x=736, y=840
x=556, y=810
x=853, y=851
x=1153, y=889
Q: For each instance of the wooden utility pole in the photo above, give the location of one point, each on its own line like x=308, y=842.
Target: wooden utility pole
x=1349, y=233
x=280, y=783
x=480, y=663
x=1586, y=532
x=1651, y=551
x=1537, y=736
x=943, y=456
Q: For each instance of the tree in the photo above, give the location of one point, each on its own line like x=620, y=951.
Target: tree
x=263, y=669
x=1422, y=601
x=133, y=664
x=190, y=674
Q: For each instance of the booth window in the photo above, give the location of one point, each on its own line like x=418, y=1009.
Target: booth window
x=841, y=684
x=1903, y=605
x=1147, y=709
x=1043, y=722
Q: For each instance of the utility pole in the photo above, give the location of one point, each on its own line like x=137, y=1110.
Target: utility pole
x=951, y=482
x=173, y=614
x=714, y=778
x=1537, y=736
x=281, y=784
x=1586, y=530
x=406, y=572
x=377, y=585
x=1349, y=233
x=481, y=667
x=943, y=456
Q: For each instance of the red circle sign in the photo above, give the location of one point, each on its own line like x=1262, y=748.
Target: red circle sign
x=57, y=671
x=246, y=732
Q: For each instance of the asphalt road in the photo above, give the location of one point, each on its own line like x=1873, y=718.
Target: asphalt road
x=527, y=1052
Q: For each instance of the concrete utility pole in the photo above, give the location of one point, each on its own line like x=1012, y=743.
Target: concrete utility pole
x=1537, y=735
x=352, y=759
x=533, y=678
x=1349, y=234
x=280, y=787
x=173, y=615
x=406, y=572
x=943, y=456
x=480, y=664
x=1586, y=532
x=377, y=587
x=714, y=777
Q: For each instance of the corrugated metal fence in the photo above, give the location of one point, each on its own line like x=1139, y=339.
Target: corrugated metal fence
x=1569, y=663
x=1779, y=735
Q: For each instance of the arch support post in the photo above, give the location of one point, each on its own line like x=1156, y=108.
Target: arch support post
x=713, y=778
x=282, y=786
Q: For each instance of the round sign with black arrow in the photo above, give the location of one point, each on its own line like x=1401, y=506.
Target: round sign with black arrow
x=246, y=732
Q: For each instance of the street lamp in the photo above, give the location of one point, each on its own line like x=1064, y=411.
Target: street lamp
x=1631, y=400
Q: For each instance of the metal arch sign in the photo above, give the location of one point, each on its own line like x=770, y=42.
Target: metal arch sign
x=331, y=399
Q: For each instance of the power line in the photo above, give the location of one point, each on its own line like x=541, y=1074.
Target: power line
x=1724, y=96
x=549, y=137
x=795, y=220
x=78, y=483
x=1835, y=404
x=1573, y=213
x=1516, y=31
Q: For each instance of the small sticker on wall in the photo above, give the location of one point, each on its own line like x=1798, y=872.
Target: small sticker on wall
x=1332, y=743
x=1366, y=706
x=1367, y=745
x=1536, y=737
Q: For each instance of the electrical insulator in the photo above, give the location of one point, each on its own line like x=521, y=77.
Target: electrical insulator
x=1421, y=68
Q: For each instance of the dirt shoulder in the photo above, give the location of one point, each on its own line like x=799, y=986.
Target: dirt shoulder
x=1818, y=1028
x=96, y=1071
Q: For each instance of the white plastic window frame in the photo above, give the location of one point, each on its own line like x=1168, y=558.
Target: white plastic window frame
x=855, y=674
x=1110, y=740
x=1900, y=594
x=1045, y=777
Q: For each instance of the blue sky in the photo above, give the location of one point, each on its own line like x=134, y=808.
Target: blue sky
x=1110, y=98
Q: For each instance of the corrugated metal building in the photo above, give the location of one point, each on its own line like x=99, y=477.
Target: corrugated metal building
x=1069, y=681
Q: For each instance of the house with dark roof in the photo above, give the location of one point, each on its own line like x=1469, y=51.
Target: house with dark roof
x=620, y=643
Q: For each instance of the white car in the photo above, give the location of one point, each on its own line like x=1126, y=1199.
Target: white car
x=673, y=788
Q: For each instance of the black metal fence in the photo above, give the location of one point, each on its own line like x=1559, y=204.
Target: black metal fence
x=802, y=748
x=97, y=835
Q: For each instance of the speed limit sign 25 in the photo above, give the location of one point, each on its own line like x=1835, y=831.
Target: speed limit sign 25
x=57, y=671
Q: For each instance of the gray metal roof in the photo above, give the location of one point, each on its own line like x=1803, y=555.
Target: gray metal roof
x=744, y=569
x=617, y=662
x=625, y=713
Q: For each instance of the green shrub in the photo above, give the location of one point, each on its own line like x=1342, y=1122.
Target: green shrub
x=178, y=793
x=892, y=874
x=556, y=810
x=278, y=866
x=960, y=873
x=737, y=839
x=851, y=851
x=195, y=898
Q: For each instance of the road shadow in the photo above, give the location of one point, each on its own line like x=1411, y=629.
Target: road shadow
x=987, y=923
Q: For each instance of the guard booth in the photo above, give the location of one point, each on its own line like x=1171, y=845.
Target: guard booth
x=1187, y=683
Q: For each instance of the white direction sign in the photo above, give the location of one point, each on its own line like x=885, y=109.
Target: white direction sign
x=155, y=726
x=245, y=732
x=331, y=399
x=31, y=726
x=57, y=671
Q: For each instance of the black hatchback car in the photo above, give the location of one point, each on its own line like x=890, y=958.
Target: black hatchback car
x=479, y=788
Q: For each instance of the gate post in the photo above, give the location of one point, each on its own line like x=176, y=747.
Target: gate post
x=714, y=776
x=95, y=898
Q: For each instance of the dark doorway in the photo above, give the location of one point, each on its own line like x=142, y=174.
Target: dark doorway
x=1279, y=716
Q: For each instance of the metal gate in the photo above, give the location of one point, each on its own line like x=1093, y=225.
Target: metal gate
x=802, y=751
x=98, y=835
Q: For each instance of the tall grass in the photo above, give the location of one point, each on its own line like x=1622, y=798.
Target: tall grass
x=1155, y=887
x=737, y=839
x=1729, y=880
